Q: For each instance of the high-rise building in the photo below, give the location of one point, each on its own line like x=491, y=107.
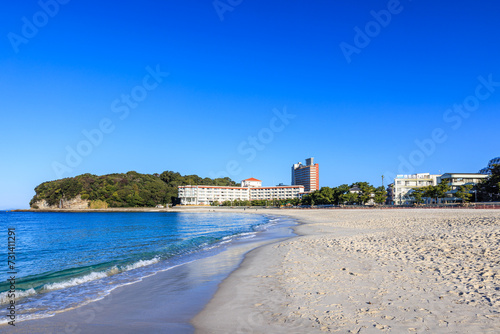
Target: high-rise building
x=306, y=175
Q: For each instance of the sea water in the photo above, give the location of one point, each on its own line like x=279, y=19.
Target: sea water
x=67, y=260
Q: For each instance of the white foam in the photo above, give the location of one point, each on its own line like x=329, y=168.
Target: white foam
x=249, y=236
x=142, y=263
x=75, y=281
x=4, y=296
x=97, y=275
x=113, y=271
x=245, y=233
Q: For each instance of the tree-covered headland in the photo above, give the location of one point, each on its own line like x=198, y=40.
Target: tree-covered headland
x=130, y=189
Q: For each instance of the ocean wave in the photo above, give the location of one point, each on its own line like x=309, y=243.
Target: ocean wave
x=231, y=238
x=87, y=301
x=93, y=276
x=249, y=236
x=75, y=281
x=238, y=235
x=98, y=275
x=142, y=263
x=78, y=278
x=4, y=296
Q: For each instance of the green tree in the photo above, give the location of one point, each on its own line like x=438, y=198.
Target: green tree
x=121, y=190
x=441, y=189
x=306, y=199
x=339, y=193
x=417, y=194
x=350, y=198
x=258, y=202
x=429, y=192
x=489, y=189
x=367, y=193
x=325, y=196
x=380, y=195
x=464, y=192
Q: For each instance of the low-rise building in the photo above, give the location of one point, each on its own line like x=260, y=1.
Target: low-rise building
x=455, y=180
x=355, y=190
x=279, y=192
x=250, y=190
x=251, y=182
x=404, y=183
x=206, y=195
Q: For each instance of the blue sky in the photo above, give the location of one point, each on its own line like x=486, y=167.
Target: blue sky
x=422, y=68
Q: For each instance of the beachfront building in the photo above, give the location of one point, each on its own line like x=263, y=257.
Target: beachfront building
x=404, y=183
x=355, y=190
x=358, y=191
x=205, y=195
x=250, y=190
x=251, y=182
x=455, y=180
x=278, y=192
x=486, y=170
x=306, y=175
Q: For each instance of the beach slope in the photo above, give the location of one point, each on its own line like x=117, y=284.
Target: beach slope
x=367, y=271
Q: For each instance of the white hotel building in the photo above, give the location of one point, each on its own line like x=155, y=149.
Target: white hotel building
x=404, y=183
x=251, y=189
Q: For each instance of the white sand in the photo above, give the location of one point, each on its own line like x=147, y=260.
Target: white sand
x=367, y=271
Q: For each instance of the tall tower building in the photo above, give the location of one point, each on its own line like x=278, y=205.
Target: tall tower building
x=306, y=175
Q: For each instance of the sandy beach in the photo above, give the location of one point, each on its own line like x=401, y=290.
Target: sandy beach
x=367, y=271
x=347, y=271
x=163, y=300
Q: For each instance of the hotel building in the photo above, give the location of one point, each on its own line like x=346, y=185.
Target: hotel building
x=251, y=189
x=404, y=183
x=306, y=175
x=455, y=180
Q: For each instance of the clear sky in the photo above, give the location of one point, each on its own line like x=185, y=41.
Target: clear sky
x=246, y=88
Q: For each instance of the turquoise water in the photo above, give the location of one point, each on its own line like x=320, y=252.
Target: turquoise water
x=65, y=260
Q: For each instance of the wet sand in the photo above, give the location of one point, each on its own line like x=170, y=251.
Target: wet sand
x=348, y=271
x=163, y=303
x=368, y=271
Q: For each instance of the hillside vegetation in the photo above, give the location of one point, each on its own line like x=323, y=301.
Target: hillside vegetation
x=122, y=190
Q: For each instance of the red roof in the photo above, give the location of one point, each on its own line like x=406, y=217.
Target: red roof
x=252, y=179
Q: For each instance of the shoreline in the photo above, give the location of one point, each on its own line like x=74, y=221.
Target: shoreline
x=165, y=301
x=367, y=271
x=451, y=206
x=340, y=273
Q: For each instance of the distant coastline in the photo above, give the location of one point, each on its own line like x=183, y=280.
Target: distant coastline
x=96, y=210
x=141, y=209
x=252, y=209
